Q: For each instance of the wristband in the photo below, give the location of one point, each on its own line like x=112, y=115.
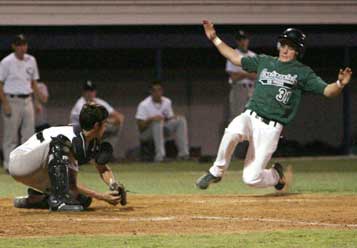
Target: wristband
x=217, y=41
x=339, y=85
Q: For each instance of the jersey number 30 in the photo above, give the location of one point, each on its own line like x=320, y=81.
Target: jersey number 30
x=283, y=95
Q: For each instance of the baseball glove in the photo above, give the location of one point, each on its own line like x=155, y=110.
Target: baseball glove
x=119, y=190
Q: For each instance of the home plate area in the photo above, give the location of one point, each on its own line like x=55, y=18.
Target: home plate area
x=185, y=214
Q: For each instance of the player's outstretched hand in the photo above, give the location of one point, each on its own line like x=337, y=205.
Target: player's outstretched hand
x=345, y=75
x=209, y=30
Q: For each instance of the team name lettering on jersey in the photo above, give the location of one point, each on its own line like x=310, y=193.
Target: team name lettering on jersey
x=280, y=80
x=284, y=82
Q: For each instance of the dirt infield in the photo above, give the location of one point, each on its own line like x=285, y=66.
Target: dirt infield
x=187, y=214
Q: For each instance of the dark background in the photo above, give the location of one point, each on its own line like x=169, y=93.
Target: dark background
x=122, y=60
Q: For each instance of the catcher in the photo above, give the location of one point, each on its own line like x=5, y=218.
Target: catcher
x=49, y=162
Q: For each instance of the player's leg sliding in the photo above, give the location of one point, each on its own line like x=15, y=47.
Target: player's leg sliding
x=225, y=151
x=263, y=139
x=60, y=198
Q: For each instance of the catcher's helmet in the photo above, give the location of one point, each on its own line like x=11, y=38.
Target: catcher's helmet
x=297, y=37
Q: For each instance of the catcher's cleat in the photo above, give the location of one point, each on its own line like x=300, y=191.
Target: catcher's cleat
x=204, y=181
x=34, y=200
x=282, y=180
x=64, y=205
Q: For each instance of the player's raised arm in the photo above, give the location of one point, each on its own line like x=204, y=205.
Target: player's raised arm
x=334, y=89
x=222, y=47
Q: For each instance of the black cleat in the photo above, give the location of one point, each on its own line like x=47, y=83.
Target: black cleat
x=204, y=181
x=280, y=170
x=65, y=204
x=34, y=200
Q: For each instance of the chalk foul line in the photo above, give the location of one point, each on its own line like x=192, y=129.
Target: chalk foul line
x=208, y=218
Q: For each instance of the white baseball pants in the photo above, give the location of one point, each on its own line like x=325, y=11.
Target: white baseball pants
x=22, y=118
x=263, y=140
x=28, y=164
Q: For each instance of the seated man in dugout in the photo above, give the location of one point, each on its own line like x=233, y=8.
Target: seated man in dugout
x=115, y=120
x=157, y=121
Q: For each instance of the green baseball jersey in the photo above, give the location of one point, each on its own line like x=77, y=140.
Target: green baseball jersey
x=279, y=86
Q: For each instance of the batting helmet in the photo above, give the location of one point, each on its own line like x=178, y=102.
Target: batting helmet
x=295, y=36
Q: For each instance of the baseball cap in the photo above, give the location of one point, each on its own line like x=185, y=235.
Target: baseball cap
x=89, y=85
x=240, y=35
x=19, y=39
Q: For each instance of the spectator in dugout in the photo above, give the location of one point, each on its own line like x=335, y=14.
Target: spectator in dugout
x=114, y=122
x=156, y=121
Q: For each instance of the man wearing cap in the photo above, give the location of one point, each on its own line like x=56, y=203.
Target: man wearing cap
x=241, y=81
x=115, y=120
x=18, y=81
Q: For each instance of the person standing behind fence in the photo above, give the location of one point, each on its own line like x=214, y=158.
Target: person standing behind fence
x=41, y=120
x=242, y=82
x=18, y=81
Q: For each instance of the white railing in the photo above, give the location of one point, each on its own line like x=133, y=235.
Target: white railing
x=106, y=12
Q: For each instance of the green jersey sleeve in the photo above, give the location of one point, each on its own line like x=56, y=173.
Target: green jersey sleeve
x=250, y=64
x=314, y=84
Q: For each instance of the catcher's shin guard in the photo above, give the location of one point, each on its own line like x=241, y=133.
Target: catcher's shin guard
x=60, y=199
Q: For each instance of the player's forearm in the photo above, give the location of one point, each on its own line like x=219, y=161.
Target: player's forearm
x=106, y=174
x=333, y=89
x=143, y=124
x=228, y=52
x=3, y=98
x=41, y=97
x=236, y=76
x=116, y=118
x=89, y=192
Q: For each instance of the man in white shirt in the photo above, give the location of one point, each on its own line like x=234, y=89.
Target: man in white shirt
x=114, y=122
x=242, y=82
x=156, y=120
x=18, y=81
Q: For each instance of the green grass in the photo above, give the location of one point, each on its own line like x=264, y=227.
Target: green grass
x=310, y=176
x=284, y=239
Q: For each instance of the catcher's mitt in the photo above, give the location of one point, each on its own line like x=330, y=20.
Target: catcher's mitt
x=119, y=189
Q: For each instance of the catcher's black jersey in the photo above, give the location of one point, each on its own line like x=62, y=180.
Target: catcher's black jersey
x=82, y=152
